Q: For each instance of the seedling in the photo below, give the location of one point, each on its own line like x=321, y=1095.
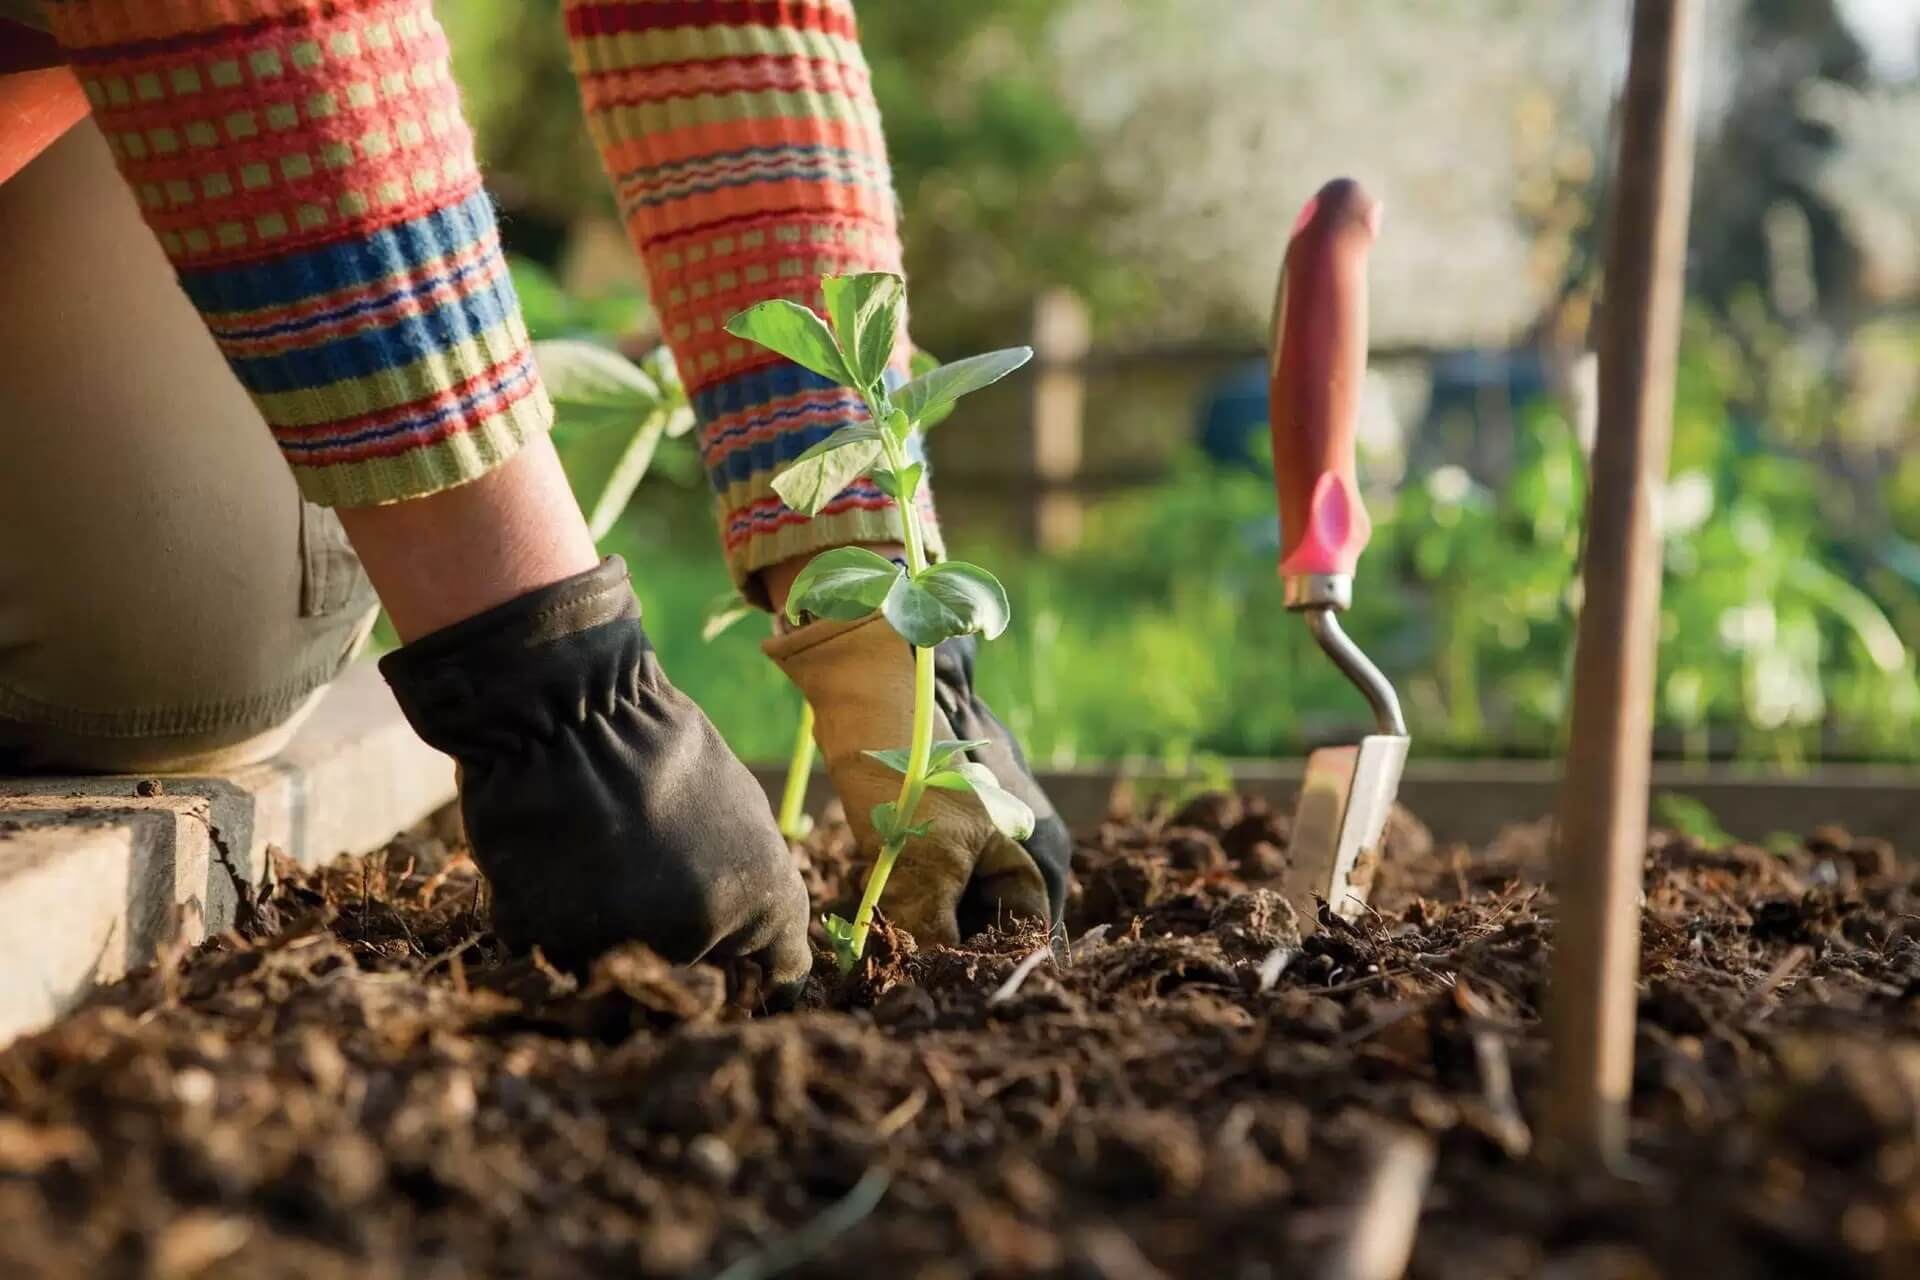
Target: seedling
x=925, y=603
x=595, y=389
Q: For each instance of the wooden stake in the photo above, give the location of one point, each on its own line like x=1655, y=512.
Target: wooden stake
x=1603, y=813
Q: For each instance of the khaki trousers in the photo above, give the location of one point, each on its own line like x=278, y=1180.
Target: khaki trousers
x=167, y=601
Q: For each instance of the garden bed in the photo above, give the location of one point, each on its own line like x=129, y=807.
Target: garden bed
x=362, y=1084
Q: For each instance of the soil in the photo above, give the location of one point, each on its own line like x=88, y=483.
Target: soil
x=361, y=1083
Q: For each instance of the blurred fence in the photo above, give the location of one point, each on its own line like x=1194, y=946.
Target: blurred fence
x=1098, y=420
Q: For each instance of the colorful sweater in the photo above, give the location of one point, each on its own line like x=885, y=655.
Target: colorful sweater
x=307, y=169
x=744, y=146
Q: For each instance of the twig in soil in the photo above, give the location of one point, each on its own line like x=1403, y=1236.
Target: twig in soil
x=1066, y=1097
x=1272, y=965
x=803, y=1245
x=1397, y=1014
x=448, y=956
x=1496, y=1072
x=1496, y=1083
x=1511, y=897
x=901, y=1116
x=1088, y=938
x=1019, y=976
x=1763, y=994
x=1380, y=1241
x=1354, y=984
x=423, y=897
x=935, y=1066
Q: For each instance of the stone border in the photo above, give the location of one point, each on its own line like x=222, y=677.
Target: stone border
x=96, y=876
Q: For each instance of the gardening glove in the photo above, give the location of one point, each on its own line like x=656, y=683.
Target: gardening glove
x=600, y=802
x=964, y=875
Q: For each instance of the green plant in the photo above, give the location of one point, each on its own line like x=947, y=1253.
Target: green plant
x=596, y=391
x=925, y=603
x=794, y=820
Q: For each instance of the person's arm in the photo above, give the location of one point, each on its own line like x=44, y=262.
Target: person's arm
x=744, y=146
x=308, y=171
x=306, y=167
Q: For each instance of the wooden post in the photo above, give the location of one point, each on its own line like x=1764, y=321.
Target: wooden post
x=1062, y=336
x=1603, y=810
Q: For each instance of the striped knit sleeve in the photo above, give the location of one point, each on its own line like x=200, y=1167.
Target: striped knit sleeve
x=307, y=169
x=744, y=147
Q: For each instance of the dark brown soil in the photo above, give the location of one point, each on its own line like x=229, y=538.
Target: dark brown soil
x=362, y=1085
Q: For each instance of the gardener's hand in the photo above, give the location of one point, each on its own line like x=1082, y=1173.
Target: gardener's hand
x=964, y=875
x=601, y=803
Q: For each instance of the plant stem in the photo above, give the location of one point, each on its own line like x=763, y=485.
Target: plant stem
x=914, y=784
x=626, y=475
x=912, y=787
x=793, y=801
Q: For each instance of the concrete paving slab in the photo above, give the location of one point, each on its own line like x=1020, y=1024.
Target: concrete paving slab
x=98, y=873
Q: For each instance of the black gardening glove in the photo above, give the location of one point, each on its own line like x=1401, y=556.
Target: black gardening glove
x=600, y=802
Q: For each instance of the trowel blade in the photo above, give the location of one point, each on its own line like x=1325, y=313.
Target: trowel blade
x=1339, y=822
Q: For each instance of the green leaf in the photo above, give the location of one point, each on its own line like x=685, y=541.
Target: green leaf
x=817, y=476
x=1008, y=813
x=957, y=581
x=919, y=365
x=843, y=584
x=866, y=316
x=933, y=393
x=896, y=758
x=919, y=616
x=948, y=600
x=886, y=824
x=840, y=938
x=947, y=748
x=899, y=485
x=899, y=425
x=723, y=612
x=591, y=386
x=791, y=330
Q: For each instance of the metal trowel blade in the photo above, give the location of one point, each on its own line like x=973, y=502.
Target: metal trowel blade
x=1339, y=822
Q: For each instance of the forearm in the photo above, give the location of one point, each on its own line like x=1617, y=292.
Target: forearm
x=744, y=146
x=443, y=558
x=306, y=168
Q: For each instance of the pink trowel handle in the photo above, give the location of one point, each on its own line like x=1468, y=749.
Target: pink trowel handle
x=1319, y=362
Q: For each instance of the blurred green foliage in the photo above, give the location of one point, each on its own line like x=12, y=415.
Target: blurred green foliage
x=517, y=86
x=1791, y=524
x=994, y=180
x=996, y=186
x=1165, y=636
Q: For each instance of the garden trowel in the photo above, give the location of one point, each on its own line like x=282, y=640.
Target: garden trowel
x=1319, y=363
